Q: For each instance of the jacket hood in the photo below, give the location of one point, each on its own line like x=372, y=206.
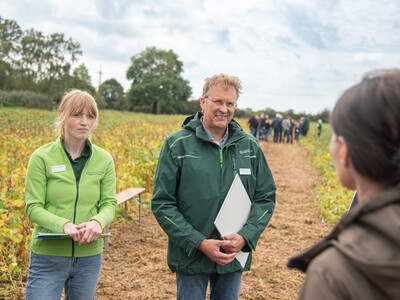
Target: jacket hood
x=194, y=121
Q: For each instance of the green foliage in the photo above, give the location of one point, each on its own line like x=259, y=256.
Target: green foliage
x=25, y=99
x=113, y=93
x=193, y=106
x=334, y=200
x=36, y=62
x=134, y=141
x=157, y=82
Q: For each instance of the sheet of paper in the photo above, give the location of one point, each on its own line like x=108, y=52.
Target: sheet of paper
x=234, y=213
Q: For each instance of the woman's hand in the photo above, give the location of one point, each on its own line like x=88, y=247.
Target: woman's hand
x=73, y=231
x=92, y=231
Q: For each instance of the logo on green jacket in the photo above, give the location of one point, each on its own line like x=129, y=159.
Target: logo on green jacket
x=245, y=151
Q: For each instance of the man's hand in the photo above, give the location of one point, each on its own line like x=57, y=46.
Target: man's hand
x=236, y=244
x=211, y=248
x=73, y=231
x=92, y=231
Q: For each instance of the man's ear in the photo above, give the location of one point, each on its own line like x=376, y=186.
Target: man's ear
x=202, y=103
x=343, y=152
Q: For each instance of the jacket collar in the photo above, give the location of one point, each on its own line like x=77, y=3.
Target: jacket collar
x=373, y=203
x=60, y=144
x=194, y=123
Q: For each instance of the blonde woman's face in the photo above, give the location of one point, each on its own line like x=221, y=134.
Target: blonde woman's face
x=78, y=126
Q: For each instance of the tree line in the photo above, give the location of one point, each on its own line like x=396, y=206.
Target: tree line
x=36, y=70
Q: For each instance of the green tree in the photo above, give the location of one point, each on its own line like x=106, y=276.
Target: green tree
x=157, y=82
x=323, y=115
x=10, y=35
x=113, y=93
x=46, y=59
x=80, y=79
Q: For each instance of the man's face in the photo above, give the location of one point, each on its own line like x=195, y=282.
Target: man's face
x=218, y=108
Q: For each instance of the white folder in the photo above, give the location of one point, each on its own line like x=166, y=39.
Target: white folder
x=234, y=213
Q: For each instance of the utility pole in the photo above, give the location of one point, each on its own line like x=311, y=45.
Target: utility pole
x=100, y=75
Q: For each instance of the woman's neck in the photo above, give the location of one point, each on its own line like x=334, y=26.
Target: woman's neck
x=366, y=187
x=74, y=148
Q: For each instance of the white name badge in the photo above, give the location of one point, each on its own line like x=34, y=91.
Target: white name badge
x=244, y=171
x=60, y=168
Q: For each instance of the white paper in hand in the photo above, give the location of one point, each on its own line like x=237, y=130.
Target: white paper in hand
x=234, y=213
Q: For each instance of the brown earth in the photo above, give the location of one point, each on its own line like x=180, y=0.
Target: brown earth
x=135, y=266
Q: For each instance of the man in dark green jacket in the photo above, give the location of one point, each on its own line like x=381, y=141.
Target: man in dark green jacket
x=196, y=168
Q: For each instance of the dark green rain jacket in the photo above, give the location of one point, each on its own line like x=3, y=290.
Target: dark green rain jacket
x=192, y=179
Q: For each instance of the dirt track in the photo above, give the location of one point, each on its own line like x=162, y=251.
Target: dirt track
x=135, y=266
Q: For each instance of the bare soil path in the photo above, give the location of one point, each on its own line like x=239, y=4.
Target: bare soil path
x=135, y=266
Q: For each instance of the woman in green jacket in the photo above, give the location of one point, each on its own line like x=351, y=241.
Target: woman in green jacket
x=70, y=188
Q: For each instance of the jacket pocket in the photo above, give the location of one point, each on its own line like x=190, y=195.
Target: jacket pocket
x=95, y=173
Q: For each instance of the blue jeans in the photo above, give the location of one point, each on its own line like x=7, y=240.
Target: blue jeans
x=222, y=286
x=48, y=275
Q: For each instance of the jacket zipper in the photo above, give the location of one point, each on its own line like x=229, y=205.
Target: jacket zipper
x=76, y=202
x=221, y=159
x=77, y=195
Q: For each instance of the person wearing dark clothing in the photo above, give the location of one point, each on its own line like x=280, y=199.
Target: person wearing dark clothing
x=286, y=124
x=305, y=125
x=277, y=126
x=292, y=124
x=319, y=128
x=195, y=170
x=360, y=258
x=297, y=131
x=261, y=128
x=268, y=128
x=253, y=125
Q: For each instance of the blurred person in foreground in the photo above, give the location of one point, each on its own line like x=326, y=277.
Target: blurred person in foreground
x=196, y=168
x=360, y=258
x=70, y=188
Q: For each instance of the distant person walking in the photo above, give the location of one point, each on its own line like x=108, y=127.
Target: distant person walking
x=277, y=126
x=319, y=128
x=268, y=128
x=253, y=125
x=292, y=124
x=286, y=125
x=305, y=125
x=261, y=127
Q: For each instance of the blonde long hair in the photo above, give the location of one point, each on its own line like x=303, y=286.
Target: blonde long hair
x=75, y=101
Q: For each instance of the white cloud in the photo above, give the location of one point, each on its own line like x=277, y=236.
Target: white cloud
x=362, y=57
x=289, y=54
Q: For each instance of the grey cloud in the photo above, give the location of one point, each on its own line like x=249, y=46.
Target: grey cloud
x=287, y=41
x=306, y=26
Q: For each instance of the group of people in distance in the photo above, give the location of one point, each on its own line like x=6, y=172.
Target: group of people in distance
x=70, y=188
x=284, y=130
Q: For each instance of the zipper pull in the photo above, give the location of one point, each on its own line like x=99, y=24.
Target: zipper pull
x=234, y=166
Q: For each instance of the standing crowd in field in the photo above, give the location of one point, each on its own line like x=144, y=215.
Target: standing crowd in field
x=71, y=189
x=282, y=130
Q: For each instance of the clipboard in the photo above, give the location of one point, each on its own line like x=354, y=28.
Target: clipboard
x=56, y=236
x=234, y=213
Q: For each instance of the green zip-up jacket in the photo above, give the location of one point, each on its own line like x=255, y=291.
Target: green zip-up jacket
x=53, y=197
x=192, y=179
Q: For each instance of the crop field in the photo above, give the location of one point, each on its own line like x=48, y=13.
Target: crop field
x=134, y=140
x=334, y=199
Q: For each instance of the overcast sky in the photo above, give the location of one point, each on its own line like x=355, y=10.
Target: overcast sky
x=289, y=54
